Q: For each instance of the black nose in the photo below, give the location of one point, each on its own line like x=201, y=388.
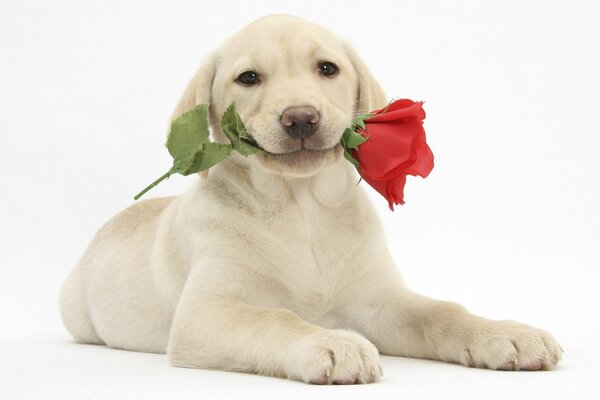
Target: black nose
x=300, y=122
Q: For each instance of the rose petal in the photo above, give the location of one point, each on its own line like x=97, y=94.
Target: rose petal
x=395, y=191
x=389, y=146
x=392, y=190
x=396, y=147
x=424, y=158
x=394, y=105
x=395, y=113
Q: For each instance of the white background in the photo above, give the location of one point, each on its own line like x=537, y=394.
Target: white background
x=507, y=223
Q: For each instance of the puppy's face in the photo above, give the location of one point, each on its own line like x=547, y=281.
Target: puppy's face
x=296, y=87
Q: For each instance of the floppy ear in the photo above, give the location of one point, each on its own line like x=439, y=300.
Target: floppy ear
x=199, y=88
x=198, y=91
x=369, y=94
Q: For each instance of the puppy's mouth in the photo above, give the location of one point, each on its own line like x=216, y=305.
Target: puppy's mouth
x=304, y=160
x=302, y=149
x=300, y=156
x=313, y=145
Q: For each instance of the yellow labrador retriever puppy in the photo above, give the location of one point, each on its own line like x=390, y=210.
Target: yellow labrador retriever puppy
x=276, y=264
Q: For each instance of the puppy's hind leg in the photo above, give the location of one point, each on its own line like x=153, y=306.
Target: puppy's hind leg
x=74, y=309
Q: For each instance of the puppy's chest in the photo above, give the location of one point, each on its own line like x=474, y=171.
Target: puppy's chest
x=319, y=239
x=310, y=256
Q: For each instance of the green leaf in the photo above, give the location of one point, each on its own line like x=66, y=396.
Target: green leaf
x=362, y=117
x=349, y=157
x=188, y=132
x=234, y=129
x=202, y=159
x=246, y=147
x=352, y=139
x=359, y=120
x=184, y=166
x=210, y=155
x=189, y=145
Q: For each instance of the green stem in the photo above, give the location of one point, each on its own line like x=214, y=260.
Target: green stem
x=156, y=182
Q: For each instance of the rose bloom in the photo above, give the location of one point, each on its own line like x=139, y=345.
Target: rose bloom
x=395, y=148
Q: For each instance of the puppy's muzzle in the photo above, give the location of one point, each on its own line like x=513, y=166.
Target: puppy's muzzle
x=300, y=122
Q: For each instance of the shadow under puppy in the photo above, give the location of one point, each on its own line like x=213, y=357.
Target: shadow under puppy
x=276, y=264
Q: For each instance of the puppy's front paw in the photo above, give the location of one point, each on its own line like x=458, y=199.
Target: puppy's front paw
x=511, y=346
x=334, y=356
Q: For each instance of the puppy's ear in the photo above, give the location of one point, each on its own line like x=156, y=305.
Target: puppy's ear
x=199, y=88
x=369, y=95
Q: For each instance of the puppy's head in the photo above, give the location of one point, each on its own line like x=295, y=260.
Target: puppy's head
x=296, y=86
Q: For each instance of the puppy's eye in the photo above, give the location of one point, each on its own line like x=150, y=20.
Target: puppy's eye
x=248, y=78
x=327, y=68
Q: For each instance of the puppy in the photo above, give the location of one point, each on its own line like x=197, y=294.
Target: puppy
x=276, y=264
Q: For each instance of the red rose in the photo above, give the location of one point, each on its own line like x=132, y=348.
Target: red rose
x=395, y=148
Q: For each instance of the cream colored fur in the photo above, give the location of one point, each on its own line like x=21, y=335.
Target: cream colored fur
x=276, y=264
